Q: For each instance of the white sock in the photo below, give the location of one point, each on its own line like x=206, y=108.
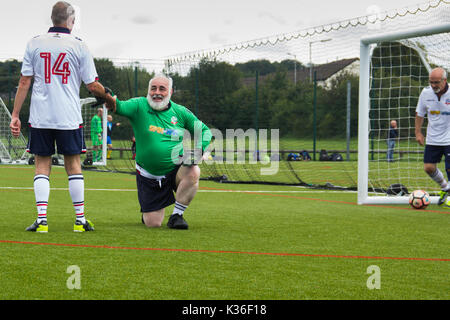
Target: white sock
x=179, y=208
x=438, y=177
x=41, y=193
x=76, y=190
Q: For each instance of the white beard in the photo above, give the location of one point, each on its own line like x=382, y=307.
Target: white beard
x=158, y=106
x=437, y=90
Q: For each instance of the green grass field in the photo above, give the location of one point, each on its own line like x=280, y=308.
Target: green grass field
x=245, y=242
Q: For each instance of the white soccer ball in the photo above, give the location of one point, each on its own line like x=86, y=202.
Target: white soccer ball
x=419, y=199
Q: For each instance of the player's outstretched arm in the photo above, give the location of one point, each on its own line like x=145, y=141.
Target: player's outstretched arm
x=22, y=91
x=102, y=94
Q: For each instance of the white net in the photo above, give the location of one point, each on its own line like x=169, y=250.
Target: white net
x=331, y=53
x=12, y=150
x=96, y=146
x=399, y=72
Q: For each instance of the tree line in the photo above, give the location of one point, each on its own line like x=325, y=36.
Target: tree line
x=228, y=96
x=216, y=92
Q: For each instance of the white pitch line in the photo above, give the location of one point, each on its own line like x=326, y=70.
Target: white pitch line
x=66, y=189
x=201, y=190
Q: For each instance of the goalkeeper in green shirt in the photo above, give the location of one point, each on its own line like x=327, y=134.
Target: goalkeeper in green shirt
x=162, y=167
x=96, y=135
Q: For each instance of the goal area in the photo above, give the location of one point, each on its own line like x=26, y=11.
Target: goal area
x=394, y=70
x=14, y=150
x=306, y=84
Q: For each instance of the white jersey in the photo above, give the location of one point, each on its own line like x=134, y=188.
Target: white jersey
x=437, y=111
x=59, y=62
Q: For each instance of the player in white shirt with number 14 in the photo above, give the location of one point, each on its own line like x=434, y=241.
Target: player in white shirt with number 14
x=58, y=62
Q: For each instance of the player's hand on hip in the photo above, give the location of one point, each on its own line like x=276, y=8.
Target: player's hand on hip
x=15, y=126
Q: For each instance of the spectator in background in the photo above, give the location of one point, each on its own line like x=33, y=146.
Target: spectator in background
x=391, y=141
x=96, y=135
x=109, y=127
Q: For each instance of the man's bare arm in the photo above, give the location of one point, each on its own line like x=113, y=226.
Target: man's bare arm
x=98, y=90
x=418, y=130
x=21, y=95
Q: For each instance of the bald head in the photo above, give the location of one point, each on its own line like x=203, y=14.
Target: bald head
x=438, y=72
x=63, y=15
x=438, y=79
x=393, y=124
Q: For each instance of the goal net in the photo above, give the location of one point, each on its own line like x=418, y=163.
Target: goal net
x=14, y=150
x=95, y=133
x=268, y=84
x=394, y=70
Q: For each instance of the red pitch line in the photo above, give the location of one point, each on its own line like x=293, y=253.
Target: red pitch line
x=223, y=251
x=323, y=200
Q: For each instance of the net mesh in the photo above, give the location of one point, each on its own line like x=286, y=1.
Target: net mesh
x=399, y=72
x=330, y=53
x=12, y=150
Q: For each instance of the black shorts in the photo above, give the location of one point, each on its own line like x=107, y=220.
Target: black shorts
x=154, y=195
x=433, y=154
x=42, y=142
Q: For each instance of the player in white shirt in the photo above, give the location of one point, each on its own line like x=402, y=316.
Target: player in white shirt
x=58, y=62
x=434, y=103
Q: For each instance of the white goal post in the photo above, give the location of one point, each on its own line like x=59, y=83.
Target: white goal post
x=366, y=48
x=12, y=150
x=88, y=112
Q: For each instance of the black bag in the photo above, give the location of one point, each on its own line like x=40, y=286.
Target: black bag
x=305, y=155
x=324, y=155
x=397, y=189
x=336, y=157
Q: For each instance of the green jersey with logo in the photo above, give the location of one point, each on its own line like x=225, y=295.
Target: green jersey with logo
x=159, y=134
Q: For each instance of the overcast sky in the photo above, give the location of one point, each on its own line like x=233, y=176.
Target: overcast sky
x=146, y=29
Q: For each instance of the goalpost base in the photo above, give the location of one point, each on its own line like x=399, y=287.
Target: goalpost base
x=381, y=200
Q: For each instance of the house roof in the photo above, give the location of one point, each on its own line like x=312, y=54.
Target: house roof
x=324, y=71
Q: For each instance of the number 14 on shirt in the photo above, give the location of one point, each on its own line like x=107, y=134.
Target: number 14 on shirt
x=64, y=72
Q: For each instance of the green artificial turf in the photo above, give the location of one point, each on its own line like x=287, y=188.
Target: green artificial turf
x=267, y=243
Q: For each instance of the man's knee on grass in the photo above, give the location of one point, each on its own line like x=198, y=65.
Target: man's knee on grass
x=153, y=219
